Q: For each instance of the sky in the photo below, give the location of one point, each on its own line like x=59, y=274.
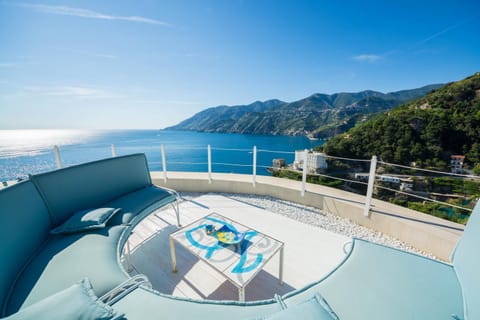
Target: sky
x=150, y=64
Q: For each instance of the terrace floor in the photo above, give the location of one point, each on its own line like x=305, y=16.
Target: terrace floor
x=310, y=252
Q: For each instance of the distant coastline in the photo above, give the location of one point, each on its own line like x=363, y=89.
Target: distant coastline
x=316, y=116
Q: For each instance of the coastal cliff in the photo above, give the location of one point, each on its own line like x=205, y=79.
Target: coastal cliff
x=317, y=116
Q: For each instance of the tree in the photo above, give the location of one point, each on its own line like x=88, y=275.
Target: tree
x=476, y=169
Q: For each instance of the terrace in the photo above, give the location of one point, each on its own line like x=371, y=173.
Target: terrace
x=314, y=239
x=310, y=251
x=315, y=223
x=425, y=233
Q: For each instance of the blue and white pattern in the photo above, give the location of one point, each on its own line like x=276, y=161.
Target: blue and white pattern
x=241, y=249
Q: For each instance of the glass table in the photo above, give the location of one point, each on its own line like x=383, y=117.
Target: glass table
x=238, y=263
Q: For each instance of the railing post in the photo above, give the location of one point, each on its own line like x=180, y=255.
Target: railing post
x=371, y=182
x=254, y=172
x=164, y=164
x=58, y=160
x=304, y=172
x=209, y=149
x=114, y=151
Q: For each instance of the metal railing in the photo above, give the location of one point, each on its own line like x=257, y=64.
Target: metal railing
x=374, y=183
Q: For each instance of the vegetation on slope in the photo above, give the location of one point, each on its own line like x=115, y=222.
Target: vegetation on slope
x=426, y=131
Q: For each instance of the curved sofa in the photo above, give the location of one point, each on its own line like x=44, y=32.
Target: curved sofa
x=36, y=264
x=373, y=282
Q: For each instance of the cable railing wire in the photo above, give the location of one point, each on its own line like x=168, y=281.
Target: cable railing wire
x=231, y=164
x=323, y=175
x=347, y=159
x=252, y=150
x=275, y=151
x=188, y=163
x=202, y=163
x=343, y=179
x=424, y=198
x=429, y=170
x=231, y=149
x=184, y=148
x=264, y=167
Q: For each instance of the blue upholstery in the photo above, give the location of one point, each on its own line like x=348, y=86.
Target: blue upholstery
x=85, y=220
x=135, y=202
x=78, y=302
x=378, y=282
x=25, y=224
x=466, y=259
x=315, y=308
x=373, y=282
x=36, y=264
x=66, y=259
x=91, y=185
x=143, y=304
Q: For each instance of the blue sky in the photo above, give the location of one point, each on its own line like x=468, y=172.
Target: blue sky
x=149, y=64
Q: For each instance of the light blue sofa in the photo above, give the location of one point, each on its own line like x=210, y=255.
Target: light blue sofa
x=35, y=264
x=373, y=281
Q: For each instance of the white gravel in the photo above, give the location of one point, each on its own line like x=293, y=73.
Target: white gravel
x=316, y=217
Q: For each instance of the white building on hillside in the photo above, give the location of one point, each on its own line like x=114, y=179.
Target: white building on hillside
x=316, y=161
x=406, y=186
x=456, y=163
x=390, y=179
x=362, y=176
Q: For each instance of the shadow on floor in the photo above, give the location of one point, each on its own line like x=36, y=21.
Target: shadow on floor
x=194, y=278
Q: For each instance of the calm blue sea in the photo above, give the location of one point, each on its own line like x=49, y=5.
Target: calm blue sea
x=31, y=151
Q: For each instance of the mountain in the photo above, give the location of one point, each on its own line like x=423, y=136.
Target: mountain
x=222, y=118
x=319, y=115
x=426, y=131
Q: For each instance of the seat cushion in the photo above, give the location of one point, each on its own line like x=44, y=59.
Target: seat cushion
x=378, y=282
x=77, y=302
x=144, y=304
x=66, y=259
x=134, y=203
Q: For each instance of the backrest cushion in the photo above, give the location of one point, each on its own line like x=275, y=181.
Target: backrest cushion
x=466, y=261
x=24, y=226
x=90, y=185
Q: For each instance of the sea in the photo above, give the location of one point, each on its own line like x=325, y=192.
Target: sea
x=24, y=152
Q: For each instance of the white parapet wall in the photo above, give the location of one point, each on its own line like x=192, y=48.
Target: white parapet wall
x=419, y=230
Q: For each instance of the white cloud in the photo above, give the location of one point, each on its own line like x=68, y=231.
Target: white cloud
x=104, y=56
x=94, y=55
x=168, y=102
x=73, y=91
x=367, y=57
x=85, y=13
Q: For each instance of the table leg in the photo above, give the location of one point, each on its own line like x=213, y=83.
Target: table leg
x=172, y=254
x=241, y=294
x=129, y=257
x=280, y=268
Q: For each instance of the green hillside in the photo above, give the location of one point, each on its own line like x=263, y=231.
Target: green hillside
x=425, y=131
